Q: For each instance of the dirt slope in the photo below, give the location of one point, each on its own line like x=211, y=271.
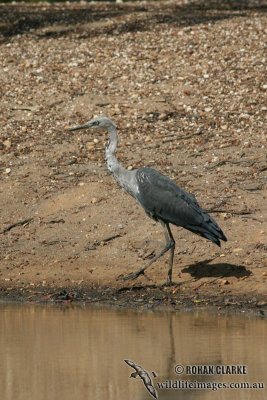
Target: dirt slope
x=184, y=82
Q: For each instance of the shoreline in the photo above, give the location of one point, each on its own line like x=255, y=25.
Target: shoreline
x=137, y=298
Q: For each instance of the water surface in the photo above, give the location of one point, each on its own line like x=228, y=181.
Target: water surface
x=75, y=352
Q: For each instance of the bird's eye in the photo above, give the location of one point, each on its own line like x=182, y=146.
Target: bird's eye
x=96, y=123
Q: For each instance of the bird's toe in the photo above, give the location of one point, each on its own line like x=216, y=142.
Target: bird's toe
x=168, y=283
x=132, y=276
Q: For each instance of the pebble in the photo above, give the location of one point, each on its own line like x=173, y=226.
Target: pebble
x=245, y=116
x=7, y=143
x=237, y=250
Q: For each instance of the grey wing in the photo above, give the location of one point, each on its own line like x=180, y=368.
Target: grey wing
x=149, y=385
x=144, y=375
x=163, y=200
x=133, y=365
x=141, y=371
x=152, y=391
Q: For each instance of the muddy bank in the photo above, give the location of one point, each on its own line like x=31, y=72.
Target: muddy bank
x=143, y=298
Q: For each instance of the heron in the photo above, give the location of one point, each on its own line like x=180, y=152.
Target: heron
x=161, y=198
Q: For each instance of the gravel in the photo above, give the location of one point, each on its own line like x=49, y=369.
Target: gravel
x=185, y=82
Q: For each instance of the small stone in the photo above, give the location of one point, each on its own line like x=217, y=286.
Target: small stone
x=237, y=250
x=162, y=116
x=244, y=116
x=261, y=303
x=7, y=143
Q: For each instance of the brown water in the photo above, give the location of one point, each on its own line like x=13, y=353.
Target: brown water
x=76, y=353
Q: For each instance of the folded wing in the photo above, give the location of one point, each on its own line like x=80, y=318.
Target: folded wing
x=164, y=200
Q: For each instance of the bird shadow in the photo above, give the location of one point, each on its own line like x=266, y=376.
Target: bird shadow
x=203, y=269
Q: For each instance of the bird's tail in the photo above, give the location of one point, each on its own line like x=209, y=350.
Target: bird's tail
x=209, y=229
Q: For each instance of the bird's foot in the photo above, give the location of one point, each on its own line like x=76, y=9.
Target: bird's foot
x=168, y=283
x=134, y=275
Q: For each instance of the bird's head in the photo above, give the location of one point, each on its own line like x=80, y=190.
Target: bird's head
x=99, y=123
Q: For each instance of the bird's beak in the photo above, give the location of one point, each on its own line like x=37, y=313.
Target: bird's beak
x=76, y=128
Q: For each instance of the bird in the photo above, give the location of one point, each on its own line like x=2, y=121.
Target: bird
x=144, y=375
x=161, y=198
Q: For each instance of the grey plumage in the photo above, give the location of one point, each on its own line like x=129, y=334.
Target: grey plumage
x=162, y=199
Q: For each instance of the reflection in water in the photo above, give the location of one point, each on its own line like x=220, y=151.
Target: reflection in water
x=71, y=352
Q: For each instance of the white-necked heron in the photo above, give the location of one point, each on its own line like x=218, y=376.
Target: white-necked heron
x=162, y=199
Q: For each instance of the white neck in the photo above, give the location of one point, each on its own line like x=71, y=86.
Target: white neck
x=111, y=160
x=122, y=176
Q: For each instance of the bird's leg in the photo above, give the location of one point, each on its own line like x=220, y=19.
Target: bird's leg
x=170, y=244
